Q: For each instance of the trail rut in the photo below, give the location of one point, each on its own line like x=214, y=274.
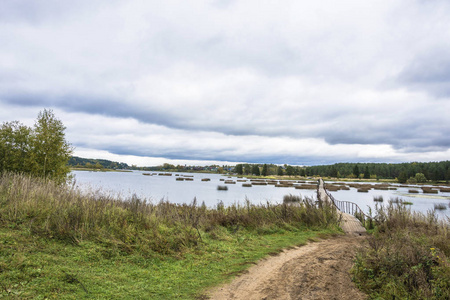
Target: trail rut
x=318, y=270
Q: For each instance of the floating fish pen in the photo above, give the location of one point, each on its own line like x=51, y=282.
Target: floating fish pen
x=272, y=182
x=413, y=191
x=444, y=190
x=333, y=188
x=164, y=174
x=221, y=179
x=147, y=174
x=247, y=185
x=363, y=190
x=241, y=180
x=291, y=183
x=259, y=183
x=222, y=188
x=381, y=187
x=345, y=188
x=206, y=179
x=188, y=179
x=306, y=187
x=188, y=175
x=179, y=179
x=283, y=185
x=429, y=190
x=230, y=182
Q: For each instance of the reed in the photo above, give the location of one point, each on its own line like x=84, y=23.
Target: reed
x=378, y=198
x=134, y=224
x=440, y=206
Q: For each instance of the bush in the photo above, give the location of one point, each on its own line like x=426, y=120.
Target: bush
x=407, y=257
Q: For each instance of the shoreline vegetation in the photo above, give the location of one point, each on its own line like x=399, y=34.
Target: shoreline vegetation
x=59, y=243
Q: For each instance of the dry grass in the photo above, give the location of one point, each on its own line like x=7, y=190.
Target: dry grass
x=134, y=224
x=406, y=258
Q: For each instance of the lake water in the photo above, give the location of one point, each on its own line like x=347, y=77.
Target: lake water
x=156, y=188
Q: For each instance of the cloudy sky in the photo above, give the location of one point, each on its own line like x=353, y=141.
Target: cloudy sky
x=297, y=82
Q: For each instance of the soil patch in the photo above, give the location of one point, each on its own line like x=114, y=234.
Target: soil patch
x=317, y=270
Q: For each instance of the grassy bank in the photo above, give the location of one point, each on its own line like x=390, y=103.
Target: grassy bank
x=406, y=257
x=56, y=242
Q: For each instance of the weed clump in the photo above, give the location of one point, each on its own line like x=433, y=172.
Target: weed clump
x=378, y=198
x=407, y=257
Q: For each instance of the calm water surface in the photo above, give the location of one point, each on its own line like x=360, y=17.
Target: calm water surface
x=156, y=188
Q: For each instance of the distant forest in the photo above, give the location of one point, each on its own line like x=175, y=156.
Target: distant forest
x=434, y=171
x=78, y=162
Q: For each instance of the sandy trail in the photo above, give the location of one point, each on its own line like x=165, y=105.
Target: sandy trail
x=317, y=270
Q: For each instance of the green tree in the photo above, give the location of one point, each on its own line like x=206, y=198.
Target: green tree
x=366, y=173
x=420, y=178
x=15, y=147
x=290, y=170
x=239, y=169
x=255, y=170
x=50, y=150
x=333, y=171
x=39, y=151
x=280, y=171
x=356, y=171
x=402, y=177
x=264, y=170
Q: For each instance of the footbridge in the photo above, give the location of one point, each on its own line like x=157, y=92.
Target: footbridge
x=351, y=214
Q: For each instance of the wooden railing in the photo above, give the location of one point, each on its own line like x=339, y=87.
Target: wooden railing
x=348, y=207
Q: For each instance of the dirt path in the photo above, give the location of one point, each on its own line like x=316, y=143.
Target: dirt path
x=315, y=271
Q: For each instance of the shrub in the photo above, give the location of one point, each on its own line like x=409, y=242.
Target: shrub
x=407, y=257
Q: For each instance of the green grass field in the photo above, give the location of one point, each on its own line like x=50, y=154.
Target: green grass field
x=57, y=243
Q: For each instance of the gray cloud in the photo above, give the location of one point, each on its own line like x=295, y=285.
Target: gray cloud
x=238, y=81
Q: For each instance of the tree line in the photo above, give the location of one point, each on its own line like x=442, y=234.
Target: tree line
x=41, y=150
x=91, y=163
x=434, y=171
x=269, y=170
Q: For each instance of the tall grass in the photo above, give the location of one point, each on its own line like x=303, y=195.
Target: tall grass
x=407, y=257
x=65, y=213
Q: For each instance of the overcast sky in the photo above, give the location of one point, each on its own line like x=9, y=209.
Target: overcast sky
x=296, y=82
